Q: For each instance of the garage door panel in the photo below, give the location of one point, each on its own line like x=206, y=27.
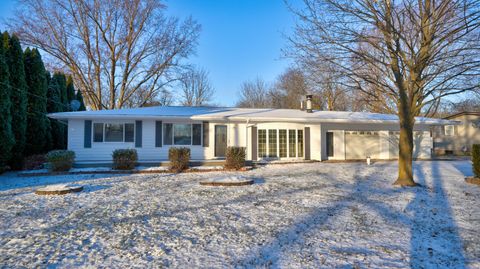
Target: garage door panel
x=422, y=144
x=359, y=146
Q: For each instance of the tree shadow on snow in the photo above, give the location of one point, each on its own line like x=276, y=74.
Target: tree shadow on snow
x=435, y=239
x=463, y=167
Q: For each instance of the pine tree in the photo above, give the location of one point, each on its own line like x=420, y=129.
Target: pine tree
x=80, y=99
x=37, y=120
x=49, y=144
x=62, y=86
x=57, y=99
x=6, y=134
x=70, y=91
x=18, y=97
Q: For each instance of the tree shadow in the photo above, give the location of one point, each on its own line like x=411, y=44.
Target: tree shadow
x=463, y=167
x=434, y=242
x=435, y=239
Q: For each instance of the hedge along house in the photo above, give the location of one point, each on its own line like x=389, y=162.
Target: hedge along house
x=267, y=134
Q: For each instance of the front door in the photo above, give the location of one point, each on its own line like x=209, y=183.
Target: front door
x=220, y=140
x=330, y=144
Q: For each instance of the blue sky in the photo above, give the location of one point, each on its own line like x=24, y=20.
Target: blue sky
x=240, y=39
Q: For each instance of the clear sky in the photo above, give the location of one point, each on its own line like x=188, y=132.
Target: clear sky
x=240, y=39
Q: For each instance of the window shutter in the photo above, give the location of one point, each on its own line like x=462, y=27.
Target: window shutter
x=205, y=134
x=158, y=134
x=307, y=143
x=254, y=144
x=138, y=134
x=87, y=136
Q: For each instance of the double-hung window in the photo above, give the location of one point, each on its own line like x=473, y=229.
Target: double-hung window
x=113, y=132
x=449, y=130
x=182, y=134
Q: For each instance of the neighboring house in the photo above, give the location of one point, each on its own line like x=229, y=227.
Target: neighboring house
x=267, y=134
x=457, y=139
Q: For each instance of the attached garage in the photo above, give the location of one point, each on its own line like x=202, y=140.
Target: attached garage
x=422, y=144
x=360, y=144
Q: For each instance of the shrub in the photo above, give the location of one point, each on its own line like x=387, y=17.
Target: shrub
x=34, y=162
x=476, y=160
x=124, y=159
x=60, y=160
x=235, y=158
x=179, y=158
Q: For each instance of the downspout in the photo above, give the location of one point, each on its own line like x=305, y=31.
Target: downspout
x=246, y=135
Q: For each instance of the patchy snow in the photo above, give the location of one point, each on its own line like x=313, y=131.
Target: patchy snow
x=59, y=187
x=228, y=179
x=109, y=169
x=316, y=215
x=212, y=167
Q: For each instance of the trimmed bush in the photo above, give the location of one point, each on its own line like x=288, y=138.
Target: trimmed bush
x=60, y=160
x=179, y=158
x=33, y=162
x=235, y=158
x=476, y=160
x=124, y=159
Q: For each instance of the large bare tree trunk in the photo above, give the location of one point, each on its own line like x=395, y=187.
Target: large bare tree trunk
x=405, y=146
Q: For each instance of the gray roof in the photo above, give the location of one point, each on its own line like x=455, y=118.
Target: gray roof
x=241, y=114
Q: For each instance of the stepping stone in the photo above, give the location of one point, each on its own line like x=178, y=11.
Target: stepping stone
x=59, y=189
x=228, y=181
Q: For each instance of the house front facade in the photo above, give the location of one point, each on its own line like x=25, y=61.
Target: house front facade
x=267, y=134
x=457, y=139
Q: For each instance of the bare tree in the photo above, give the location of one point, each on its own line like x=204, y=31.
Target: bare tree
x=255, y=94
x=289, y=89
x=196, y=87
x=115, y=49
x=413, y=52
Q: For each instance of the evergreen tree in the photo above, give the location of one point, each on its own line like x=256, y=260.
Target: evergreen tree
x=49, y=144
x=80, y=99
x=57, y=99
x=62, y=87
x=18, y=97
x=6, y=134
x=70, y=91
x=37, y=131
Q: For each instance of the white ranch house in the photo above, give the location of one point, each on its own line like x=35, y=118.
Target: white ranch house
x=267, y=134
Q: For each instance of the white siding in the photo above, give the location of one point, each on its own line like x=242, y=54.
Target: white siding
x=148, y=151
x=388, y=144
x=238, y=134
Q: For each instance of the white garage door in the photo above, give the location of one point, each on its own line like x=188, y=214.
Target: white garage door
x=422, y=145
x=360, y=144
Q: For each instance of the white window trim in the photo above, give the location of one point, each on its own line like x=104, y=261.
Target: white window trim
x=173, y=134
x=267, y=145
x=452, y=129
x=103, y=132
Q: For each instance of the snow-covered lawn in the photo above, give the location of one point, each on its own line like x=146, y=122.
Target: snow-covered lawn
x=295, y=216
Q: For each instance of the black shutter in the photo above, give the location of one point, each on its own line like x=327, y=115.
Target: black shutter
x=254, y=144
x=205, y=134
x=87, y=136
x=307, y=143
x=138, y=134
x=158, y=134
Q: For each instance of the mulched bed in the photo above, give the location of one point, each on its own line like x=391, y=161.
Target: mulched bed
x=473, y=180
x=51, y=190
x=191, y=170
